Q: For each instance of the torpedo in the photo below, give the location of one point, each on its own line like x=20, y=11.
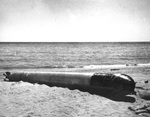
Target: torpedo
x=101, y=82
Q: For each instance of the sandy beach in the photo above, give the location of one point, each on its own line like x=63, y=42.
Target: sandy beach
x=23, y=99
x=104, y=43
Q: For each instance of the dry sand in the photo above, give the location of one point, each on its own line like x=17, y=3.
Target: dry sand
x=22, y=99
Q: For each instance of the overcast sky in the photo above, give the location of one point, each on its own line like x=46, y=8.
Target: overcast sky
x=74, y=20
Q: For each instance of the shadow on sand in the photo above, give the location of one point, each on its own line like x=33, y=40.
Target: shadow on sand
x=104, y=92
x=108, y=93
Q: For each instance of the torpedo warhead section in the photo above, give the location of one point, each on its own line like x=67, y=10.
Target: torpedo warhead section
x=119, y=82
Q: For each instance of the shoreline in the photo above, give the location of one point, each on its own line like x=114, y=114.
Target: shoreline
x=81, y=66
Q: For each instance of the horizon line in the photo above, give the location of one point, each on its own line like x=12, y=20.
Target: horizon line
x=74, y=41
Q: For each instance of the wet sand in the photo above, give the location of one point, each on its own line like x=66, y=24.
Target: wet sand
x=22, y=99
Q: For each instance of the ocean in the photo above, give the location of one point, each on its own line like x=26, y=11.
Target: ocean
x=72, y=54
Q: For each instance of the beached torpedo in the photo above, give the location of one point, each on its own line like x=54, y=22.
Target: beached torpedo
x=103, y=82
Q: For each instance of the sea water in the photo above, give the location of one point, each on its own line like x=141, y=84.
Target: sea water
x=70, y=55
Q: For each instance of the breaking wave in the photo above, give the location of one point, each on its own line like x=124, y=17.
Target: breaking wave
x=71, y=66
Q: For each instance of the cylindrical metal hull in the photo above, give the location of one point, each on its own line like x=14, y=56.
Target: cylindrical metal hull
x=115, y=82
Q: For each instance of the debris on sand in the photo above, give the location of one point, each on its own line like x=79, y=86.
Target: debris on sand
x=142, y=105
